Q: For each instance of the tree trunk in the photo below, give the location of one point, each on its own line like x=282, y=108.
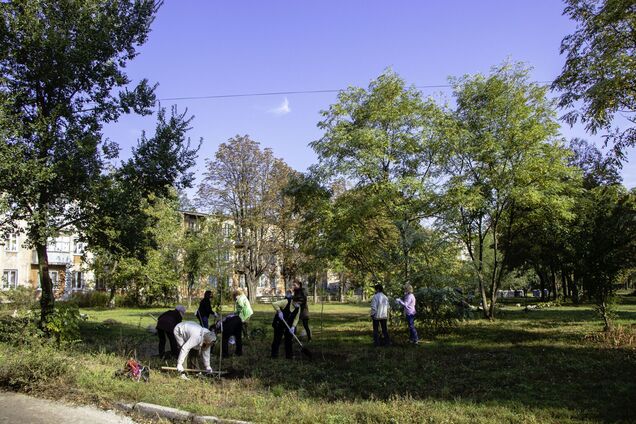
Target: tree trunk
x=47, y=300
x=565, y=285
x=250, y=282
x=574, y=288
x=341, y=288
x=542, y=278
x=111, y=299
x=553, y=280
x=313, y=280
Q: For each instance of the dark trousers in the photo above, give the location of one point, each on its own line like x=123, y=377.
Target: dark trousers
x=410, y=319
x=306, y=325
x=174, y=348
x=281, y=331
x=232, y=327
x=377, y=340
x=203, y=320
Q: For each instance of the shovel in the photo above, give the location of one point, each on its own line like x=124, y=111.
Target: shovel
x=303, y=349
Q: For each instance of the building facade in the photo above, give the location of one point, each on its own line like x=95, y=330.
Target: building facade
x=67, y=265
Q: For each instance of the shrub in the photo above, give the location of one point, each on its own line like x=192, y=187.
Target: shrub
x=438, y=309
x=63, y=323
x=90, y=299
x=18, y=298
x=25, y=368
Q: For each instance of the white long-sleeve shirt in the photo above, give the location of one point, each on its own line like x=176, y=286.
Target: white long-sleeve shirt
x=189, y=336
x=379, y=306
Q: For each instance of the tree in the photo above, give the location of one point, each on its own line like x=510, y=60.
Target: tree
x=600, y=69
x=62, y=79
x=241, y=183
x=607, y=243
x=385, y=140
x=505, y=159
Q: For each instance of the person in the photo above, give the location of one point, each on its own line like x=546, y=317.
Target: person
x=205, y=309
x=231, y=328
x=301, y=297
x=409, y=312
x=191, y=335
x=165, y=329
x=379, y=314
x=242, y=307
x=286, y=311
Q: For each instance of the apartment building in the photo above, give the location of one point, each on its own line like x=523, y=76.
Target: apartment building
x=67, y=265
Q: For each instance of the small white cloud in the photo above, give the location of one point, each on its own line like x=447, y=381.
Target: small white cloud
x=283, y=109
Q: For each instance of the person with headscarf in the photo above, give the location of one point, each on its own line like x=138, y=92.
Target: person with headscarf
x=190, y=335
x=165, y=329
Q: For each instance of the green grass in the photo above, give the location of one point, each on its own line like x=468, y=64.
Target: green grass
x=531, y=367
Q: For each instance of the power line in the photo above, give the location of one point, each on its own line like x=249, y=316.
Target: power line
x=280, y=93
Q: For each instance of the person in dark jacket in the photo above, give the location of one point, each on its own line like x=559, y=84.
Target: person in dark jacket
x=231, y=327
x=205, y=309
x=301, y=297
x=165, y=329
x=286, y=310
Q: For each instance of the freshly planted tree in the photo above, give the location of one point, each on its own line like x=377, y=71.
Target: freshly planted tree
x=600, y=69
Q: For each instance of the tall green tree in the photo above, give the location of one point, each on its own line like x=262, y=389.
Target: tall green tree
x=385, y=141
x=62, y=78
x=599, y=77
x=505, y=158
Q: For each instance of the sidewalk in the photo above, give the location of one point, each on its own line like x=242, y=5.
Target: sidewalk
x=17, y=408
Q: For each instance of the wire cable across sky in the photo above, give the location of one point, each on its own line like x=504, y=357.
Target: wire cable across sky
x=285, y=93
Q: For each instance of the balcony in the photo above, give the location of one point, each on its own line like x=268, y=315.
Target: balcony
x=55, y=258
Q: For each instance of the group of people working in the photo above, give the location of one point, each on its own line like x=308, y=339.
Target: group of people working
x=186, y=336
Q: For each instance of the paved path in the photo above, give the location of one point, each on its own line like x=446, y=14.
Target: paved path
x=17, y=408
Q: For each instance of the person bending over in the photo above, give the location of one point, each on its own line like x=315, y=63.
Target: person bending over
x=191, y=335
x=286, y=312
x=165, y=330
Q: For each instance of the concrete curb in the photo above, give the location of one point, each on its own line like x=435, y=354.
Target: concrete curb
x=172, y=414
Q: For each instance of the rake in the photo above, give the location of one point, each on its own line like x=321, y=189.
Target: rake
x=303, y=349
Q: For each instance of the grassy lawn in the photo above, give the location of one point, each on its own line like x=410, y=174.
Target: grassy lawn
x=535, y=367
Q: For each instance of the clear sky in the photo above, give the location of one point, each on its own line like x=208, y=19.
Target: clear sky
x=208, y=47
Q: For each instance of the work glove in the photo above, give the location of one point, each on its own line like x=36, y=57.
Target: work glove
x=208, y=370
x=180, y=368
x=280, y=315
x=292, y=330
x=182, y=376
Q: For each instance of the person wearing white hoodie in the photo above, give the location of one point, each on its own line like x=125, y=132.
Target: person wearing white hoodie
x=190, y=335
x=379, y=314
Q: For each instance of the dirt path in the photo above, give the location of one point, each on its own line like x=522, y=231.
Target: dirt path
x=18, y=408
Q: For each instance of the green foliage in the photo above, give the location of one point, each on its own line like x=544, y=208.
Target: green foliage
x=20, y=298
x=64, y=323
x=438, y=309
x=34, y=366
x=89, y=299
x=600, y=68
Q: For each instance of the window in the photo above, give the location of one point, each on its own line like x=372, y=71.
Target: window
x=78, y=280
x=78, y=247
x=11, y=244
x=9, y=279
x=59, y=244
x=227, y=229
x=55, y=278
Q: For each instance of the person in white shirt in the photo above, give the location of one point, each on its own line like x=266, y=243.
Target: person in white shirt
x=379, y=314
x=190, y=335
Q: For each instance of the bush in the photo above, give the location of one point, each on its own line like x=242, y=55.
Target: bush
x=89, y=299
x=438, y=309
x=63, y=324
x=26, y=368
x=18, y=298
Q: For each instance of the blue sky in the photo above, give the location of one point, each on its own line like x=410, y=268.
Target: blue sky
x=207, y=47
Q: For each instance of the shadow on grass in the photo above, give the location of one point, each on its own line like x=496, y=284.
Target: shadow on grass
x=494, y=364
